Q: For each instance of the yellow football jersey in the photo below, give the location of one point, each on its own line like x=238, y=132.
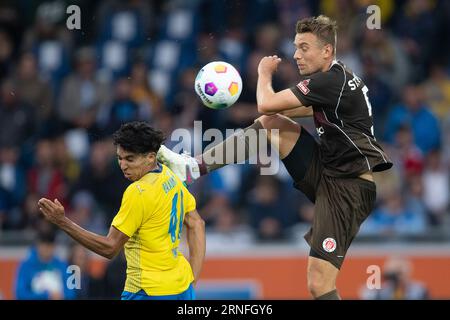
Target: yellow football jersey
x=151, y=214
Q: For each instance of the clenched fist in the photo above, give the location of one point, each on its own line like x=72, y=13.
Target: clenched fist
x=268, y=65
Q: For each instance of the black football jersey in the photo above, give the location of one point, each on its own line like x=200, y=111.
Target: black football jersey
x=343, y=120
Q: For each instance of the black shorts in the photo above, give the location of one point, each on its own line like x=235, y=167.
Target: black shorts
x=341, y=204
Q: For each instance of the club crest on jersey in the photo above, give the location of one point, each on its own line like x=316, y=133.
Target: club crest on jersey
x=329, y=244
x=303, y=86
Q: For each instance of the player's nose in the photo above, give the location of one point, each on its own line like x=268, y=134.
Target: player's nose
x=122, y=165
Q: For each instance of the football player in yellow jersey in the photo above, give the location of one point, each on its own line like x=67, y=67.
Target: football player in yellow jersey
x=149, y=223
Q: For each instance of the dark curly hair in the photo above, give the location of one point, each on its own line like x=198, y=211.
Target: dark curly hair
x=138, y=137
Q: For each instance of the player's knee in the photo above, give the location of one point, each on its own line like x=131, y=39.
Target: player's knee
x=316, y=286
x=267, y=121
x=318, y=282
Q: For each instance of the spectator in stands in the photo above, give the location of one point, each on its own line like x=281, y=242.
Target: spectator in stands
x=42, y=275
x=150, y=103
x=31, y=216
x=346, y=53
x=122, y=109
x=266, y=209
x=6, y=54
x=227, y=220
x=345, y=17
x=50, y=41
x=437, y=91
x=413, y=194
x=415, y=113
x=65, y=161
x=267, y=39
x=34, y=90
x=17, y=119
x=390, y=60
x=436, y=181
x=90, y=287
x=85, y=212
x=82, y=95
x=380, y=95
x=407, y=156
x=304, y=211
x=44, y=178
x=228, y=226
x=12, y=186
x=213, y=197
x=114, y=277
x=397, y=284
x=102, y=170
x=416, y=26
x=185, y=102
x=395, y=217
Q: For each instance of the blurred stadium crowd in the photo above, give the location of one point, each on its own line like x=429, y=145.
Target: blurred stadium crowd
x=63, y=92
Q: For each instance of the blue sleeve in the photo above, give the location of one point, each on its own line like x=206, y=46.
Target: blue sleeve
x=396, y=118
x=23, y=285
x=437, y=139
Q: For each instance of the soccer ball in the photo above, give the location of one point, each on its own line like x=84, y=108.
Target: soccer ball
x=218, y=84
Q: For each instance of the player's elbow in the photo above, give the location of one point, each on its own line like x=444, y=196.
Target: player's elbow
x=266, y=109
x=194, y=222
x=195, y=225
x=201, y=224
x=110, y=252
x=198, y=224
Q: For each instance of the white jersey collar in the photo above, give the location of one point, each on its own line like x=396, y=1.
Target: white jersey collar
x=333, y=63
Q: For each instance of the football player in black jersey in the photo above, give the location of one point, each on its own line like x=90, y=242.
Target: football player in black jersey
x=335, y=172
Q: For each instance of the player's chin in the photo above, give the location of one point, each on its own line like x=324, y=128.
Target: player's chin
x=304, y=72
x=128, y=177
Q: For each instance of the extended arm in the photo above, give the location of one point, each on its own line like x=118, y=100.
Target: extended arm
x=107, y=247
x=196, y=241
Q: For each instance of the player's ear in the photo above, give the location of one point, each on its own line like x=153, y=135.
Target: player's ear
x=151, y=156
x=328, y=50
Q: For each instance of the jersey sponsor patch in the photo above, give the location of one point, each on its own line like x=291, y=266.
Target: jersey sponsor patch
x=329, y=244
x=303, y=86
